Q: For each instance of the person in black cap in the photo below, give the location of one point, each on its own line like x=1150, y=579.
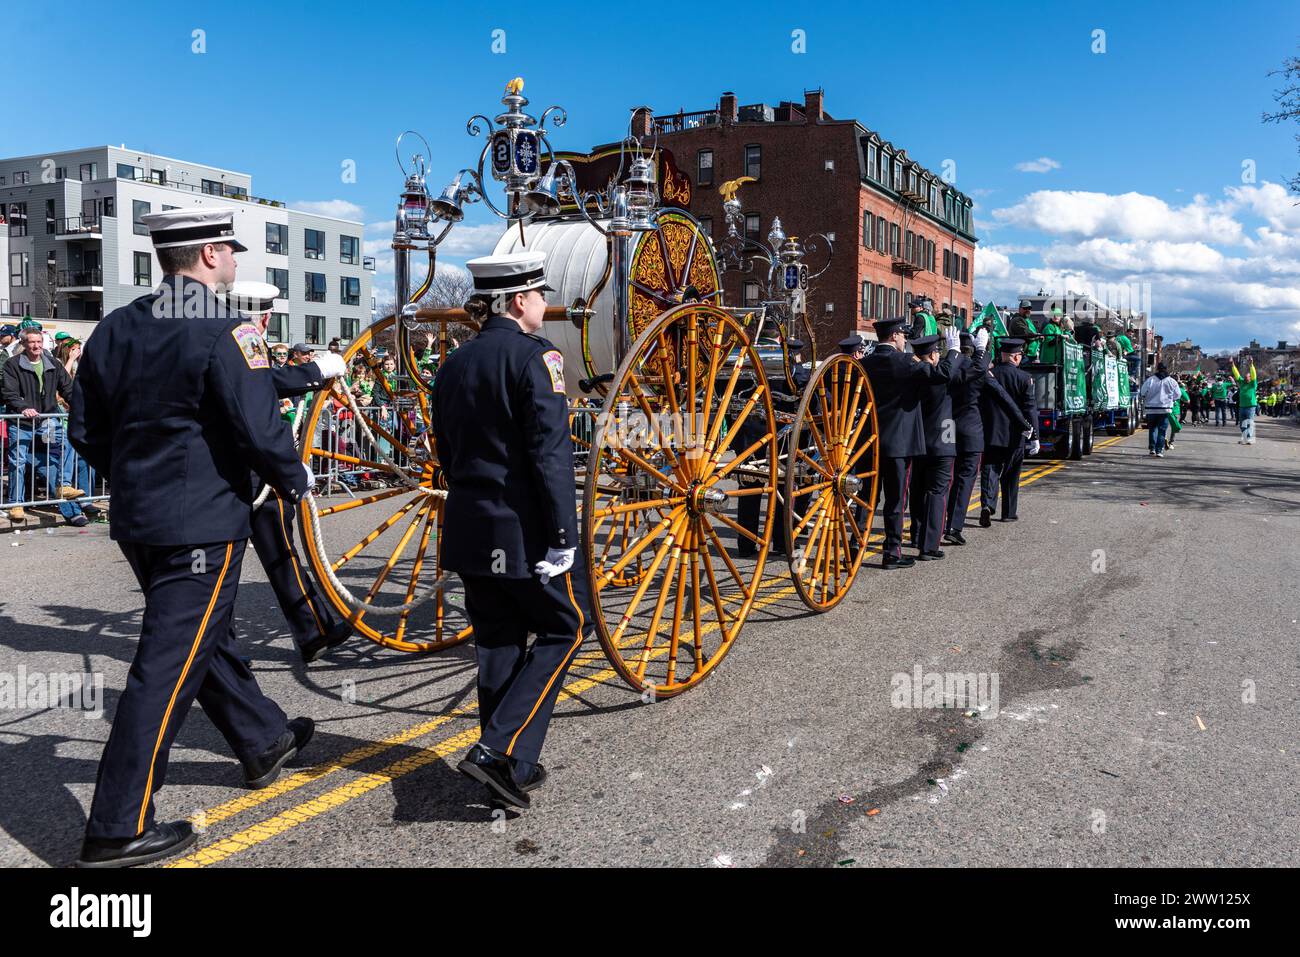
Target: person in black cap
x=897, y=383
x=853, y=345
x=965, y=393
x=1007, y=426
x=931, y=472
x=1022, y=327
x=500, y=419
x=178, y=450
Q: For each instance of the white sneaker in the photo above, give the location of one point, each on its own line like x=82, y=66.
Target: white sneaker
x=1160, y=455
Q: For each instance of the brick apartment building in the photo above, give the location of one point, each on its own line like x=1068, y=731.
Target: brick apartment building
x=899, y=230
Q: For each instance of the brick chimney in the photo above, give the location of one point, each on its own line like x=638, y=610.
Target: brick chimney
x=813, y=105
x=728, y=108
x=642, y=121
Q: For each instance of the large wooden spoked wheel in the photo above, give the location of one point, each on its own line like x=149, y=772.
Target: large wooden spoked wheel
x=830, y=482
x=687, y=434
x=380, y=537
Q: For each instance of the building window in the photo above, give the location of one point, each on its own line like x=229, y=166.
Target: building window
x=704, y=167
x=125, y=171
x=348, y=328
x=880, y=302
x=894, y=238
x=349, y=290
x=880, y=234
x=109, y=208
x=907, y=246
x=314, y=244
x=277, y=239
x=17, y=219
x=753, y=160
x=315, y=329
x=749, y=294
x=277, y=327
x=947, y=263
x=868, y=229
x=868, y=291
x=963, y=315
x=964, y=275
x=60, y=173
x=18, y=308
x=49, y=217
x=893, y=302
x=753, y=227
x=89, y=172
x=929, y=255
x=2, y=180
x=315, y=286
x=898, y=175
x=871, y=161
x=21, y=177
x=19, y=270
x=349, y=250
x=211, y=187
x=706, y=226
x=139, y=208
x=144, y=269
x=280, y=279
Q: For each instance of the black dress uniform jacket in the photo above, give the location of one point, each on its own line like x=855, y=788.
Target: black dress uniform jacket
x=1000, y=425
x=500, y=419
x=898, y=382
x=965, y=392
x=173, y=402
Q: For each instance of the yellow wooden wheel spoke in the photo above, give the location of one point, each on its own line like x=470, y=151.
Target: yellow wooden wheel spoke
x=359, y=502
x=383, y=526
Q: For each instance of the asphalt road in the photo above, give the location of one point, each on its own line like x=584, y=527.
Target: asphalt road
x=1140, y=621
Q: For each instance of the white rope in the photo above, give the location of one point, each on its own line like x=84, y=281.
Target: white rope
x=324, y=562
x=297, y=427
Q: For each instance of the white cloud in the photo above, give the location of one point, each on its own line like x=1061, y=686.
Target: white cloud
x=466, y=242
x=338, y=208
x=1044, y=164
x=1128, y=258
x=1124, y=216
x=1270, y=202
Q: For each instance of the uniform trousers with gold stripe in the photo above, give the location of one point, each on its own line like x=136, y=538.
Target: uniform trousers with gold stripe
x=309, y=616
x=517, y=682
x=186, y=651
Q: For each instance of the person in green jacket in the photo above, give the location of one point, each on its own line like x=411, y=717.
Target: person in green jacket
x=1175, y=426
x=1124, y=342
x=1053, y=334
x=1246, y=402
x=1219, y=394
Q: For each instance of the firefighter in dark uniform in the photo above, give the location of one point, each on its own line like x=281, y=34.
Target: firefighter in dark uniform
x=965, y=393
x=932, y=472
x=1006, y=429
x=312, y=621
x=897, y=383
x=174, y=404
x=500, y=420
x=853, y=345
x=754, y=428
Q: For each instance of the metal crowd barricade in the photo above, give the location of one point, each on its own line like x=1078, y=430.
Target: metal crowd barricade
x=353, y=461
x=38, y=460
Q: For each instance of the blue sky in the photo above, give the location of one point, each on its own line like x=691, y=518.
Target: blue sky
x=1140, y=147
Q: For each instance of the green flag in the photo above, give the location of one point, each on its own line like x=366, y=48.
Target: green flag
x=989, y=319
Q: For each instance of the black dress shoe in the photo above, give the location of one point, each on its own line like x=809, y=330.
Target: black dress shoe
x=535, y=780
x=933, y=556
x=265, y=768
x=161, y=840
x=900, y=562
x=494, y=773
x=954, y=538
x=1010, y=518
x=313, y=649
x=986, y=518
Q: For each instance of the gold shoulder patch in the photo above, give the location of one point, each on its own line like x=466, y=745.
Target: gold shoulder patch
x=555, y=366
x=251, y=346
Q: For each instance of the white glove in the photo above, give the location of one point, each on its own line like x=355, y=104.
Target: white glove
x=331, y=366
x=1029, y=433
x=556, y=563
x=981, y=339
x=952, y=338
x=311, y=478
x=1033, y=447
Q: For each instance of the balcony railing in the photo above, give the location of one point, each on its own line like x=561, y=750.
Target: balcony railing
x=80, y=277
x=676, y=122
x=225, y=192
x=69, y=225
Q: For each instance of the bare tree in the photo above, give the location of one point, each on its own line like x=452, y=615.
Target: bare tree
x=449, y=289
x=1288, y=101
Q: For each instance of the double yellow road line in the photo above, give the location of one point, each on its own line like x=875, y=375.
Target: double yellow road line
x=286, y=820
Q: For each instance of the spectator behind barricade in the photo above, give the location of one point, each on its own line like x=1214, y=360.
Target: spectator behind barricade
x=8, y=340
x=77, y=472
x=33, y=381
x=1158, y=395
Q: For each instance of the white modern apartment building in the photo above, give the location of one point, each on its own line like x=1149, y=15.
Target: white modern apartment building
x=74, y=249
